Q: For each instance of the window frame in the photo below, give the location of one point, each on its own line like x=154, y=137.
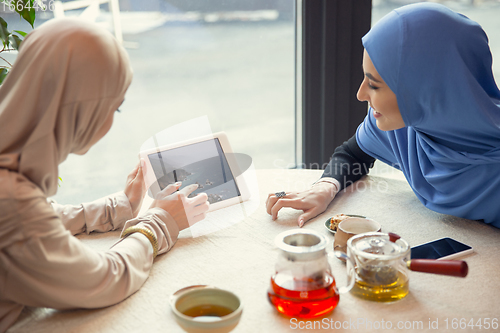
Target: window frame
x=329, y=59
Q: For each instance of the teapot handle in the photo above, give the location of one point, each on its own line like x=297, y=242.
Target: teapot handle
x=351, y=274
x=443, y=267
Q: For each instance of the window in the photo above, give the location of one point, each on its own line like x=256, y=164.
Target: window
x=233, y=62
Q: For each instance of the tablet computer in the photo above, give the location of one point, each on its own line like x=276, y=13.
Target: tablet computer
x=207, y=161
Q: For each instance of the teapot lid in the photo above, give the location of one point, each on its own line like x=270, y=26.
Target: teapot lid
x=378, y=245
x=301, y=244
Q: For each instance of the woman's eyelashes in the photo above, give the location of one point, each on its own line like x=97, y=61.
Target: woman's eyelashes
x=369, y=83
x=118, y=109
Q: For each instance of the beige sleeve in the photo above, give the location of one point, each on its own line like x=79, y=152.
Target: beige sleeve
x=105, y=214
x=52, y=268
x=161, y=224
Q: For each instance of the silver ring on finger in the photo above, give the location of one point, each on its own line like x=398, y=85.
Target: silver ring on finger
x=279, y=195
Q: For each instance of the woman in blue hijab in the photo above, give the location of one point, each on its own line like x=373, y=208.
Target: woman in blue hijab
x=434, y=114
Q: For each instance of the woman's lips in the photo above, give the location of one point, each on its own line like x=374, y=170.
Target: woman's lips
x=376, y=114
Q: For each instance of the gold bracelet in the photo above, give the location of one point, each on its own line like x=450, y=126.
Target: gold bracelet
x=146, y=232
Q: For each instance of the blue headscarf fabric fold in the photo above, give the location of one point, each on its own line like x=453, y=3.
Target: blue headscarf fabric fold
x=438, y=63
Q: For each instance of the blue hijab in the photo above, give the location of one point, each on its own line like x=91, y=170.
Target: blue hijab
x=438, y=63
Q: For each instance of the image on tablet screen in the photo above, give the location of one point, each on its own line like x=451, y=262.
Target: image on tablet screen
x=202, y=163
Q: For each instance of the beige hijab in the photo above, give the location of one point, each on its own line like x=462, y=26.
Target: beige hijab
x=69, y=75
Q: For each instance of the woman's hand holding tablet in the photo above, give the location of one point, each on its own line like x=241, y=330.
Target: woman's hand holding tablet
x=185, y=211
x=206, y=162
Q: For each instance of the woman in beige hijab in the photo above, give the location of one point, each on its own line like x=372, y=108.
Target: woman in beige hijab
x=60, y=97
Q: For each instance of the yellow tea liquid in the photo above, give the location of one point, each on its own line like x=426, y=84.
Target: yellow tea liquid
x=207, y=310
x=397, y=287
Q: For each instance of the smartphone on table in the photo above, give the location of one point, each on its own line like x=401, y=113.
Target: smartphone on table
x=445, y=248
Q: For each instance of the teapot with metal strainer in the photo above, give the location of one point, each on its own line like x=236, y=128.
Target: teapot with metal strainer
x=379, y=264
x=303, y=285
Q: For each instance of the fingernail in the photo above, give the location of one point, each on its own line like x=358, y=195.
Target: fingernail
x=142, y=163
x=301, y=223
x=178, y=184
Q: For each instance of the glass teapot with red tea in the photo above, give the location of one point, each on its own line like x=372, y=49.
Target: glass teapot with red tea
x=303, y=285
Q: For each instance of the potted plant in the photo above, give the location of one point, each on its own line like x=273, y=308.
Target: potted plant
x=11, y=40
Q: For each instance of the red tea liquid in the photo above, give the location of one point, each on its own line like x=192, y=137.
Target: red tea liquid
x=303, y=299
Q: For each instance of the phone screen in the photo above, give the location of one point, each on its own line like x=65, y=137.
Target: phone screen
x=440, y=248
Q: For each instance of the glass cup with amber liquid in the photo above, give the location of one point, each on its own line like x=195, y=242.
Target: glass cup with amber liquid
x=378, y=266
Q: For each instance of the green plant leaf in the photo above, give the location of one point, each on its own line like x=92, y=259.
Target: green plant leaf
x=3, y=74
x=15, y=41
x=26, y=10
x=22, y=33
x=4, y=33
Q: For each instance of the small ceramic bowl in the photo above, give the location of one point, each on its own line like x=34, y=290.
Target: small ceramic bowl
x=327, y=222
x=206, y=309
x=351, y=227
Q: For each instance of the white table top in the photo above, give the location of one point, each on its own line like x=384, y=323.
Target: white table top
x=241, y=258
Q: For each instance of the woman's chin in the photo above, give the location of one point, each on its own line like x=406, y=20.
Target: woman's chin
x=381, y=126
x=385, y=126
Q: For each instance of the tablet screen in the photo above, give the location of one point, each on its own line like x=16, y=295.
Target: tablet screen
x=202, y=163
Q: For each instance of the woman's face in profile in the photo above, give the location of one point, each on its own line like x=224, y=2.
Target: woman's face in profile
x=380, y=97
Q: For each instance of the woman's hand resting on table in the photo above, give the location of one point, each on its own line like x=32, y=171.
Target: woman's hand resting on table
x=312, y=202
